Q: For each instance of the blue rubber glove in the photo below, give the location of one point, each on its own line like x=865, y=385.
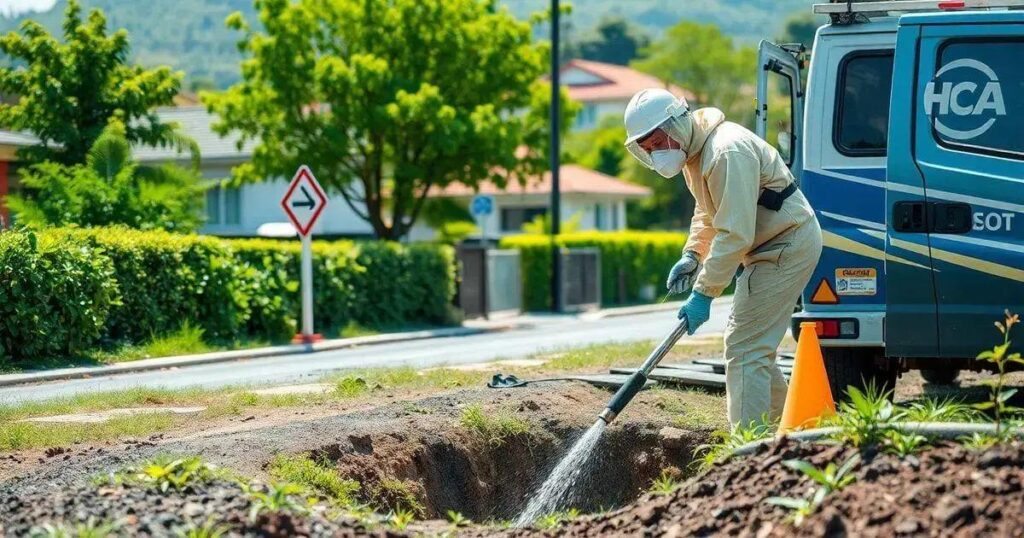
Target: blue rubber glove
x=696, y=310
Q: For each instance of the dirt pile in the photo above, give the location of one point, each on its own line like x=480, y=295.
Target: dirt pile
x=145, y=511
x=947, y=490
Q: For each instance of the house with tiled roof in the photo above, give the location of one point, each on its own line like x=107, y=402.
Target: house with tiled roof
x=605, y=89
x=597, y=200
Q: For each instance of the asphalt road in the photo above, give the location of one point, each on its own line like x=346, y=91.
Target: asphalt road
x=541, y=334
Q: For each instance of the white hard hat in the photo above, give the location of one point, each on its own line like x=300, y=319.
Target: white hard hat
x=650, y=108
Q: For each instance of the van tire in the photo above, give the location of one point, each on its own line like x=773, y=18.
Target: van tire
x=857, y=367
x=940, y=376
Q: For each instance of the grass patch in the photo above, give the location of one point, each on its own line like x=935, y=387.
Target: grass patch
x=26, y=435
x=166, y=473
x=315, y=476
x=396, y=496
x=493, y=429
x=696, y=409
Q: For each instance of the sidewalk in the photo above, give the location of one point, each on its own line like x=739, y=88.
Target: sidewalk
x=470, y=327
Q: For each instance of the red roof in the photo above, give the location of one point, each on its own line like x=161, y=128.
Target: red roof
x=572, y=179
x=619, y=82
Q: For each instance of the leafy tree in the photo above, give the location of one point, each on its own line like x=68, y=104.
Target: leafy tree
x=386, y=99
x=800, y=28
x=614, y=41
x=68, y=91
x=700, y=58
x=110, y=188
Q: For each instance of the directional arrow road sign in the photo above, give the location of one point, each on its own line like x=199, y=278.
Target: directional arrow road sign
x=304, y=200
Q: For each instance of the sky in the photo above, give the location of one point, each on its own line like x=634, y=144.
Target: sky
x=13, y=8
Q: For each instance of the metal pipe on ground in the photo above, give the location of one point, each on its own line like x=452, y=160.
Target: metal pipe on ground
x=940, y=430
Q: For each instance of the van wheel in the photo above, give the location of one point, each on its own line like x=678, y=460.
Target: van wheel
x=940, y=376
x=857, y=367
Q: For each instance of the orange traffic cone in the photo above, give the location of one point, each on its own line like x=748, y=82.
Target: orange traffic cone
x=809, y=398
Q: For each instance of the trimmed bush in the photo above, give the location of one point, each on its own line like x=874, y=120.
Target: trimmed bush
x=166, y=279
x=55, y=297
x=67, y=290
x=629, y=261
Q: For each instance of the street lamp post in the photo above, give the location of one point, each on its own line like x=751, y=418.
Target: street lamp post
x=556, y=209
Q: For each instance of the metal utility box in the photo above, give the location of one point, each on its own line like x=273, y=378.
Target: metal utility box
x=581, y=279
x=489, y=282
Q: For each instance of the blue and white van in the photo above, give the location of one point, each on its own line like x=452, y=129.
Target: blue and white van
x=910, y=147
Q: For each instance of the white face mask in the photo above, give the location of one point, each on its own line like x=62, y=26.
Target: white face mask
x=668, y=162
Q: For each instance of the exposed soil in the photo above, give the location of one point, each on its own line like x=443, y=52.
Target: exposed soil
x=944, y=491
x=420, y=444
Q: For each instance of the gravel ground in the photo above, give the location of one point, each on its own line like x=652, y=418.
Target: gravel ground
x=145, y=511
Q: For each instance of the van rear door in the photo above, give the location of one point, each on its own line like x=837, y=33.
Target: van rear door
x=780, y=103
x=969, y=148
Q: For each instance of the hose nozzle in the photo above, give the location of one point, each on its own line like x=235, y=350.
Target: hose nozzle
x=623, y=396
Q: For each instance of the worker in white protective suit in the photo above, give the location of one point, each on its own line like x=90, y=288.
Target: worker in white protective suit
x=749, y=212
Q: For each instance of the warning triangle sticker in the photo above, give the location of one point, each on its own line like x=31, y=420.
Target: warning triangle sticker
x=824, y=294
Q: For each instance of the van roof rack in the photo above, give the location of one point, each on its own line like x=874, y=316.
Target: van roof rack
x=852, y=11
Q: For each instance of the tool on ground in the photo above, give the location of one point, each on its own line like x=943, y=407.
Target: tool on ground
x=809, y=398
x=637, y=380
x=500, y=381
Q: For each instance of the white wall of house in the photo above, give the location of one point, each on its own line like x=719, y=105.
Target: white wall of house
x=240, y=211
x=591, y=113
x=597, y=212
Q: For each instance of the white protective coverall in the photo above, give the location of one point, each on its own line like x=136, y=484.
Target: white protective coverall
x=726, y=169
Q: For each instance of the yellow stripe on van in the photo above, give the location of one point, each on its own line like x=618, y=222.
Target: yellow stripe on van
x=838, y=242
x=968, y=262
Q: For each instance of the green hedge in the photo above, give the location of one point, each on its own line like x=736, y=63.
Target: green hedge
x=68, y=290
x=635, y=259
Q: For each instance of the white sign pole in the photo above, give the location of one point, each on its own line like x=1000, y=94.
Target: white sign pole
x=307, y=287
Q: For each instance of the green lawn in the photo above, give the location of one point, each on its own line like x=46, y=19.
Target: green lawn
x=349, y=385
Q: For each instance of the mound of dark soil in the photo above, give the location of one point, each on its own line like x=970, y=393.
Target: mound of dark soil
x=144, y=511
x=947, y=490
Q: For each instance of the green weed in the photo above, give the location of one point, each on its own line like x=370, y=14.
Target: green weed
x=283, y=497
x=494, y=430
x=315, y=476
x=946, y=410
x=165, y=473
x=351, y=387
x=665, y=484
x=726, y=441
x=457, y=519
x=830, y=479
x=209, y=529
x=1001, y=357
x=867, y=417
x=396, y=496
x=556, y=519
x=400, y=519
x=90, y=529
x=904, y=444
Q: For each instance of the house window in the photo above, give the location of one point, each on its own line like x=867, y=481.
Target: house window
x=587, y=117
x=223, y=206
x=599, y=223
x=615, y=216
x=513, y=218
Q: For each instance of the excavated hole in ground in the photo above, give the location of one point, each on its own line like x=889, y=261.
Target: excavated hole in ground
x=494, y=482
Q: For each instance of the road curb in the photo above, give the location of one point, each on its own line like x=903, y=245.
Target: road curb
x=162, y=363
x=645, y=309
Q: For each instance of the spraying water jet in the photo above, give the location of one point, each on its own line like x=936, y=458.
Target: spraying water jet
x=563, y=478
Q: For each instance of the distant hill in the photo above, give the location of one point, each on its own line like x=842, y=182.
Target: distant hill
x=190, y=34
